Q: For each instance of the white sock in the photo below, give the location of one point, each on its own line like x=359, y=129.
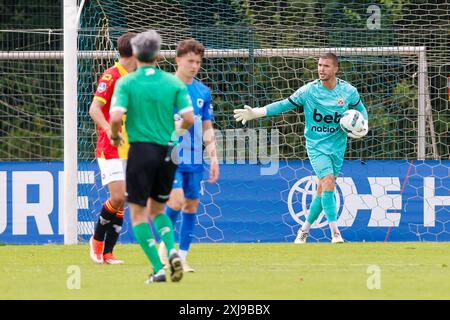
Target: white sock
x=306, y=226
x=334, y=228
x=183, y=255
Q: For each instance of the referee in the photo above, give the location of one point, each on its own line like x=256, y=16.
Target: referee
x=149, y=97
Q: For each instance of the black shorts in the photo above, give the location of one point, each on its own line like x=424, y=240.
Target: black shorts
x=150, y=173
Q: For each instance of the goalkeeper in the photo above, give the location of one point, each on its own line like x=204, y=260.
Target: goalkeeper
x=323, y=102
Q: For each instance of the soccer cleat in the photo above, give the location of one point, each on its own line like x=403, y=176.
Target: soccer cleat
x=301, y=237
x=337, y=238
x=96, y=250
x=187, y=267
x=159, y=276
x=176, y=267
x=162, y=251
x=109, y=258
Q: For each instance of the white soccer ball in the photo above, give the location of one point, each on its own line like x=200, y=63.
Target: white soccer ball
x=354, y=124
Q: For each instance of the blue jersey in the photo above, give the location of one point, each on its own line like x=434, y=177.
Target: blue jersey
x=323, y=109
x=191, y=143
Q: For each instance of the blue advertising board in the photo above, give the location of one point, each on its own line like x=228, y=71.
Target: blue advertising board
x=377, y=201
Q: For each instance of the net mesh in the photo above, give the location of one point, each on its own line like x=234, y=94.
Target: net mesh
x=31, y=103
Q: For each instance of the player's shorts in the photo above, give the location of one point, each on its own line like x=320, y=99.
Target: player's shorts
x=190, y=182
x=325, y=164
x=150, y=173
x=112, y=170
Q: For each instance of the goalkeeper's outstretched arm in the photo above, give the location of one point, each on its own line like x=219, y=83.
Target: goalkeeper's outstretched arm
x=248, y=113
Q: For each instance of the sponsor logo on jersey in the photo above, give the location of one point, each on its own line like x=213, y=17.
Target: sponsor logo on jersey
x=164, y=230
x=101, y=87
x=324, y=129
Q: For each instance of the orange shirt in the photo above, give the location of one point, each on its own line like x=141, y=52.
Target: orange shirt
x=104, y=94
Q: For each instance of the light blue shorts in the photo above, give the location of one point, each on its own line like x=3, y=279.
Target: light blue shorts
x=190, y=182
x=326, y=164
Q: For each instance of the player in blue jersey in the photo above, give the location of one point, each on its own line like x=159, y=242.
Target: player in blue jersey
x=186, y=188
x=323, y=102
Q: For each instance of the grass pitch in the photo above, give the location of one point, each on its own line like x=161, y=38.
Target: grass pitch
x=235, y=271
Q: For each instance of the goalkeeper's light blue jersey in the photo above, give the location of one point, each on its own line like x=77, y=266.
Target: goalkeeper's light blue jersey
x=323, y=109
x=191, y=143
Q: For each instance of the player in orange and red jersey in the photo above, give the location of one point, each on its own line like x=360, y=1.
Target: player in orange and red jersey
x=111, y=160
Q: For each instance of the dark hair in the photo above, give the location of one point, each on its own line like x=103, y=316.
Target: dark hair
x=190, y=45
x=124, y=44
x=331, y=56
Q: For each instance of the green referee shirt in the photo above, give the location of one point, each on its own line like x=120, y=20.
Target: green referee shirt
x=148, y=97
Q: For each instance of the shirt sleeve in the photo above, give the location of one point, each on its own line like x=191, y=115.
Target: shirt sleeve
x=183, y=101
x=356, y=103
x=120, y=97
x=105, y=88
x=208, y=113
x=298, y=98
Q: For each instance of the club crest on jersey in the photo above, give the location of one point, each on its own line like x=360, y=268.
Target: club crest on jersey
x=200, y=102
x=340, y=101
x=101, y=87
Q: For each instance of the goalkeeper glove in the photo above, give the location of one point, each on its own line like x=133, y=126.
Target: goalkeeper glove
x=361, y=133
x=248, y=114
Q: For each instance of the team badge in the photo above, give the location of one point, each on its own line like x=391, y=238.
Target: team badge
x=101, y=87
x=340, y=101
x=200, y=103
x=107, y=77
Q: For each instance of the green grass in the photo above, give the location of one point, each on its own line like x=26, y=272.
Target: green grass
x=235, y=271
